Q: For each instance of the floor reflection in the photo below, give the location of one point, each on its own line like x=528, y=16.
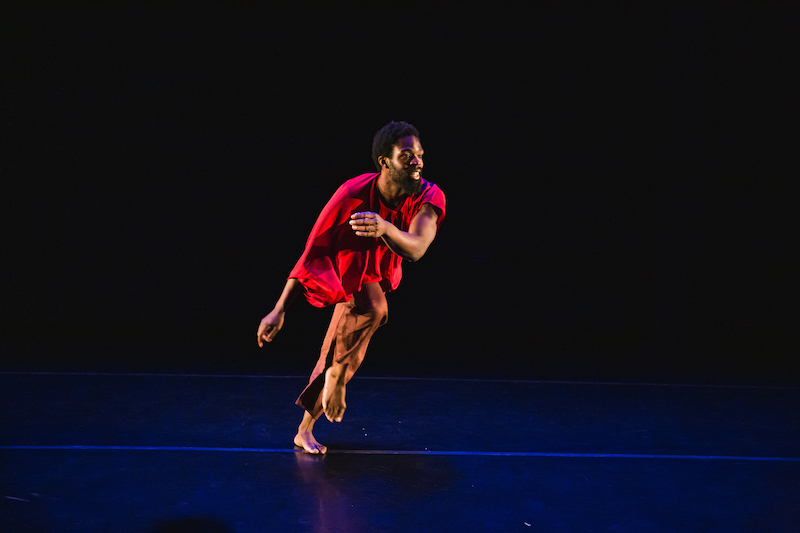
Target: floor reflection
x=332, y=493
x=359, y=492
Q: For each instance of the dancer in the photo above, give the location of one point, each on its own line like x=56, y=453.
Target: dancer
x=352, y=259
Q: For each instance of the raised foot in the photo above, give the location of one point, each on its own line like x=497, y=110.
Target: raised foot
x=333, y=395
x=307, y=441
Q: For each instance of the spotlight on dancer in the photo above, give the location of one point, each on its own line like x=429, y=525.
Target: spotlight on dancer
x=352, y=258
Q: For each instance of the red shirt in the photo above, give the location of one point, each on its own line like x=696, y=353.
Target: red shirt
x=336, y=262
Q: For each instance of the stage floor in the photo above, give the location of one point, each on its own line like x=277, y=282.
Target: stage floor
x=151, y=452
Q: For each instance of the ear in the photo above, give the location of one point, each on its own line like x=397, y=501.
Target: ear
x=382, y=161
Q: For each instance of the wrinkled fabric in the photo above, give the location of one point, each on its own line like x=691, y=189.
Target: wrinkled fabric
x=346, y=342
x=336, y=262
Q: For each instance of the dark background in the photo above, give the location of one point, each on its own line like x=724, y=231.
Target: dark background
x=620, y=181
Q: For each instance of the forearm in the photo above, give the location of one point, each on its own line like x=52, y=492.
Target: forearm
x=411, y=244
x=407, y=245
x=292, y=288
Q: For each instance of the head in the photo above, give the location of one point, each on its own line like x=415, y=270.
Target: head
x=398, y=153
x=384, y=141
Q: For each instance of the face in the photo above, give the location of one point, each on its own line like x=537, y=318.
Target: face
x=405, y=166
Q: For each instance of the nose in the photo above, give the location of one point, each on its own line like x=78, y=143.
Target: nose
x=417, y=161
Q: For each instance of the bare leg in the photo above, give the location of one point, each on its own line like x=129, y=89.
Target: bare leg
x=305, y=439
x=333, y=392
x=351, y=328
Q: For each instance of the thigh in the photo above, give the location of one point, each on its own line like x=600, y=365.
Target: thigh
x=371, y=298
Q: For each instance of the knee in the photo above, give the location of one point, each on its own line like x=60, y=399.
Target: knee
x=371, y=302
x=379, y=313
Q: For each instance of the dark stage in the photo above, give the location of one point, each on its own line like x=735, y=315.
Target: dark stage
x=603, y=335
x=126, y=452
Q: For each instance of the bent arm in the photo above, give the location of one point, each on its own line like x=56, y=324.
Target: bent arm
x=413, y=244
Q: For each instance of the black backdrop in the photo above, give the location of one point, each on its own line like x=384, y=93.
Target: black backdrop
x=619, y=182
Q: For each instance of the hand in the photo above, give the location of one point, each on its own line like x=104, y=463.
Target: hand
x=270, y=326
x=368, y=224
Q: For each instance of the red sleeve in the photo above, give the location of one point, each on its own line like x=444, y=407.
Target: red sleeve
x=334, y=258
x=391, y=264
x=435, y=196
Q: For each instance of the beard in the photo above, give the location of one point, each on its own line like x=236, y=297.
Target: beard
x=402, y=177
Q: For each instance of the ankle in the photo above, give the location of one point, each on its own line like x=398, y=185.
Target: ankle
x=337, y=373
x=307, y=424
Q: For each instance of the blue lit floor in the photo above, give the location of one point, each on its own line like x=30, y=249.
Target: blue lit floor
x=115, y=452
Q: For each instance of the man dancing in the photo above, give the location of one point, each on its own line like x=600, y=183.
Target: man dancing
x=352, y=259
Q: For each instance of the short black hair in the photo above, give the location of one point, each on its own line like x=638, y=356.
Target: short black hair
x=387, y=137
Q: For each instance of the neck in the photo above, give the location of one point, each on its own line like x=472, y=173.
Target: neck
x=391, y=193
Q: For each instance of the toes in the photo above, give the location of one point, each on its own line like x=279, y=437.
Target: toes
x=312, y=448
x=309, y=445
x=315, y=448
x=319, y=449
x=335, y=414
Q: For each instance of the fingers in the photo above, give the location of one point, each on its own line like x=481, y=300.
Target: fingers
x=364, y=224
x=269, y=327
x=265, y=334
x=260, y=334
x=362, y=219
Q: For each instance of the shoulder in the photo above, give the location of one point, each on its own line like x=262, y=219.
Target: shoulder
x=358, y=188
x=359, y=184
x=431, y=194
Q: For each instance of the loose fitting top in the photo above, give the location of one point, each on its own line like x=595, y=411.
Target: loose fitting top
x=336, y=261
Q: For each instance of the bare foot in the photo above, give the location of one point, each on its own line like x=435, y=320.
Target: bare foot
x=333, y=394
x=306, y=440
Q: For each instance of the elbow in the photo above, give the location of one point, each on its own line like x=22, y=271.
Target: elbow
x=410, y=256
x=415, y=256
x=409, y=251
